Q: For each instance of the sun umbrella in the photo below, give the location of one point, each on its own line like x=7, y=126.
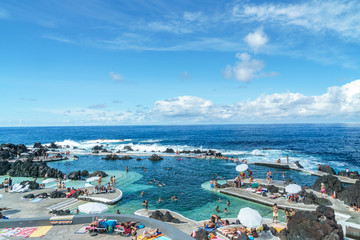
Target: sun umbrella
x=92, y=179
x=93, y=207
x=88, y=185
x=241, y=167
x=250, y=217
x=292, y=188
x=49, y=180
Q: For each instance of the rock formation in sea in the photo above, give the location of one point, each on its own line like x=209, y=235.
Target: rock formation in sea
x=155, y=157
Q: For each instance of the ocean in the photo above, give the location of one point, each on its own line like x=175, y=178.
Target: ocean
x=337, y=145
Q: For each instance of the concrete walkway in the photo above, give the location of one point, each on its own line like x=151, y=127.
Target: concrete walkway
x=293, y=166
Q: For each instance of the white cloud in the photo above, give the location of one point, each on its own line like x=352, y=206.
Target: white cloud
x=116, y=77
x=58, y=38
x=337, y=103
x=244, y=70
x=181, y=106
x=336, y=16
x=256, y=39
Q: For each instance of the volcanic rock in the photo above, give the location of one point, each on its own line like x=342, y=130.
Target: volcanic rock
x=331, y=183
x=112, y=157
x=84, y=173
x=128, y=148
x=317, y=225
x=169, y=150
x=351, y=195
x=33, y=169
x=327, y=169
x=96, y=173
x=54, y=146
x=32, y=185
x=97, y=147
x=298, y=164
x=74, y=175
x=155, y=157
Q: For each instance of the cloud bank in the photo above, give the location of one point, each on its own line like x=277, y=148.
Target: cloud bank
x=337, y=103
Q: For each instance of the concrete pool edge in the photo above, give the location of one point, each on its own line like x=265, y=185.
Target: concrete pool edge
x=169, y=230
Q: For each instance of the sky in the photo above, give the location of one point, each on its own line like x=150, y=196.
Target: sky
x=103, y=62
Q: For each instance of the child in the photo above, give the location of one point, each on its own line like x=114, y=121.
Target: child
x=323, y=191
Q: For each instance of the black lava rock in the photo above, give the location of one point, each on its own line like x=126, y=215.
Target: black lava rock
x=74, y=175
x=351, y=195
x=126, y=157
x=128, y=148
x=84, y=173
x=32, y=185
x=314, y=225
x=169, y=150
x=327, y=169
x=331, y=184
x=112, y=157
x=98, y=173
x=298, y=164
x=155, y=157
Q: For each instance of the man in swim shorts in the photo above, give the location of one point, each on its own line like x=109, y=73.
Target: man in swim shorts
x=275, y=212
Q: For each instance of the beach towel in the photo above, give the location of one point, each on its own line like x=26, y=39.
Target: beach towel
x=81, y=230
x=26, y=232
x=162, y=238
x=277, y=226
x=151, y=238
x=11, y=232
x=40, y=231
x=35, y=200
x=61, y=219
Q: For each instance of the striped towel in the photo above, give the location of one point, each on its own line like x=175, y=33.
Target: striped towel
x=26, y=232
x=40, y=231
x=11, y=232
x=62, y=219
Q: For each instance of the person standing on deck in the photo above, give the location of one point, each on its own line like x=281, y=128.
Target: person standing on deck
x=283, y=175
x=347, y=172
x=275, y=210
x=287, y=159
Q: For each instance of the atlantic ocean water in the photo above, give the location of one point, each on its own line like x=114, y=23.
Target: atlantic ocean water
x=337, y=145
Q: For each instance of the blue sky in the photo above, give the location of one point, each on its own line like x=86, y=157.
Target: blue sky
x=178, y=62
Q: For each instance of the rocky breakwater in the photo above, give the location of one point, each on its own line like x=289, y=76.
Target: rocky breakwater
x=317, y=225
x=117, y=157
x=28, y=169
x=10, y=151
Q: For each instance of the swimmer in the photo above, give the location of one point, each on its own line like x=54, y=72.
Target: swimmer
x=174, y=198
x=142, y=194
x=160, y=200
x=220, y=200
x=217, y=209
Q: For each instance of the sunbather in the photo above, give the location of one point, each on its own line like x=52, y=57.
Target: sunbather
x=210, y=224
x=95, y=223
x=150, y=233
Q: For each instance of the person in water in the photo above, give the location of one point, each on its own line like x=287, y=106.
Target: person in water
x=174, y=198
x=217, y=209
x=228, y=203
